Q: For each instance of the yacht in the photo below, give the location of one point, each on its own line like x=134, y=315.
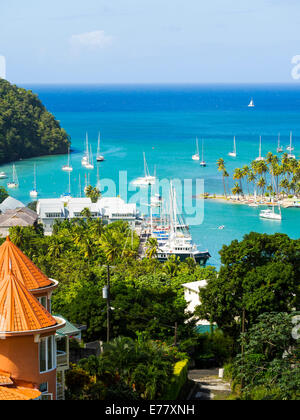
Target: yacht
x=270, y=214
x=147, y=179
x=68, y=167
x=33, y=193
x=279, y=147
x=99, y=158
x=179, y=242
x=3, y=175
x=290, y=148
x=15, y=182
x=260, y=158
x=90, y=164
x=233, y=154
x=196, y=156
x=203, y=163
x=251, y=104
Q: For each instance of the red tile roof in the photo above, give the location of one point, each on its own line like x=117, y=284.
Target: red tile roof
x=20, y=311
x=18, y=393
x=13, y=259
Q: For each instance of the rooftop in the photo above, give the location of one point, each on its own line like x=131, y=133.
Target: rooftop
x=10, y=203
x=18, y=217
x=20, y=311
x=195, y=285
x=12, y=259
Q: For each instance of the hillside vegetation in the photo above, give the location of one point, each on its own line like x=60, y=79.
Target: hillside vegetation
x=27, y=129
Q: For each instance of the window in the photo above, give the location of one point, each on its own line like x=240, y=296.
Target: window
x=43, y=301
x=53, y=215
x=47, y=354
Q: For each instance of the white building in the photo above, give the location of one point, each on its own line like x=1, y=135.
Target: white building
x=109, y=209
x=191, y=295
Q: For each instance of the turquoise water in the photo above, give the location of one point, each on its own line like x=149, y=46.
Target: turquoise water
x=164, y=122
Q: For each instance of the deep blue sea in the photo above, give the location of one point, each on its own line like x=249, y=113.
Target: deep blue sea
x=163, y=122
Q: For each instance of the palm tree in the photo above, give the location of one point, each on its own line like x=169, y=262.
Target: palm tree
x=261, y=184
x=238, y=175
x=221, y=168
x=236, y=190
x=152, y=247
x=86, y=213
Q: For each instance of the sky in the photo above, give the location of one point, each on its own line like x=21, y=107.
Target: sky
x=150, y=41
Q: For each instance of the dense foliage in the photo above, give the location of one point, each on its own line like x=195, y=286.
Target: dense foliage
x=3, y=194
x=127, y=369
x=27, y=129
x=146, y=295
x=269, y=367
x=259, y=274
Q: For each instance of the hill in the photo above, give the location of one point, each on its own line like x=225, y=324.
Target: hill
x=27, y=129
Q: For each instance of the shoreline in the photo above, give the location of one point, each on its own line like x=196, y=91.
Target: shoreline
x=249, y=200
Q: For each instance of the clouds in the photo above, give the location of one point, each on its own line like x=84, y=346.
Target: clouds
x=91, y=40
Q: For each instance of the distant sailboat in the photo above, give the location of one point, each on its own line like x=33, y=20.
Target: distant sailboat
x=100, y=158
x=84, y=160
x=33, y=193
x=290, y=148
x=196, y=156
x=251, y=104
x=260, y=158
x=15, y=181
x=271, y=214
x=68, y=167
x=203, y=163
x=233, y=154
x=279, y=147
x=90, y=163
x=147, y=179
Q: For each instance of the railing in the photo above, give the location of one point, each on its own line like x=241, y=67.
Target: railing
x=62, y=360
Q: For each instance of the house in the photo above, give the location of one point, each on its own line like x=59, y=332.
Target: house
x=191, y=295
x=17, y=217
x=30, y=365
x=10, y=203
x=109, y=209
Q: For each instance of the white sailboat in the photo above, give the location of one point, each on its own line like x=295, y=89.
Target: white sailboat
x=279, y=147
x=90, y=163
x=260, y=158
x=203, y=163
x=271, y=214
x=251, y=104
x=290, y=148
x=33, y=193
x=233, y=154
x=15, y=181
x=147, y=179
x=196, y=156
x=99, y=158
x=68, y=167
x=85, y=159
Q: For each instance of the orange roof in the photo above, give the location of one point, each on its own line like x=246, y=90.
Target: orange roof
x=5, y=378
x=20, y=311
x=13, y=259
x=18, y=393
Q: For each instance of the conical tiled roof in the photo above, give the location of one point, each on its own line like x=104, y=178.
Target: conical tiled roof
x=20, y=311
x=12, y=259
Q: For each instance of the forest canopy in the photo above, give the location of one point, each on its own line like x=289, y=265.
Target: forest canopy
x=27, y=129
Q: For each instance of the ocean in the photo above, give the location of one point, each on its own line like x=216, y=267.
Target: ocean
x=163, y=122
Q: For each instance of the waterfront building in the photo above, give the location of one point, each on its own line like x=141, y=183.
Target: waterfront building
x=18, y=217
x=109, y=209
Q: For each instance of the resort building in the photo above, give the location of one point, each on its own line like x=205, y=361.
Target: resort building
x=109, y=209
x=30, y=366
x=18, y=217
x=10, y=203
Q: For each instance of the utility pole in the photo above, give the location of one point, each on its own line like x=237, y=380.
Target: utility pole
x=175, y=337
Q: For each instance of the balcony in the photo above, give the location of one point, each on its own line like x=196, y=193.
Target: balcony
x=62, y=360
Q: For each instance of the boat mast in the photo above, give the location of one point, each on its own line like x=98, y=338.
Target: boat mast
x=98, y=151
